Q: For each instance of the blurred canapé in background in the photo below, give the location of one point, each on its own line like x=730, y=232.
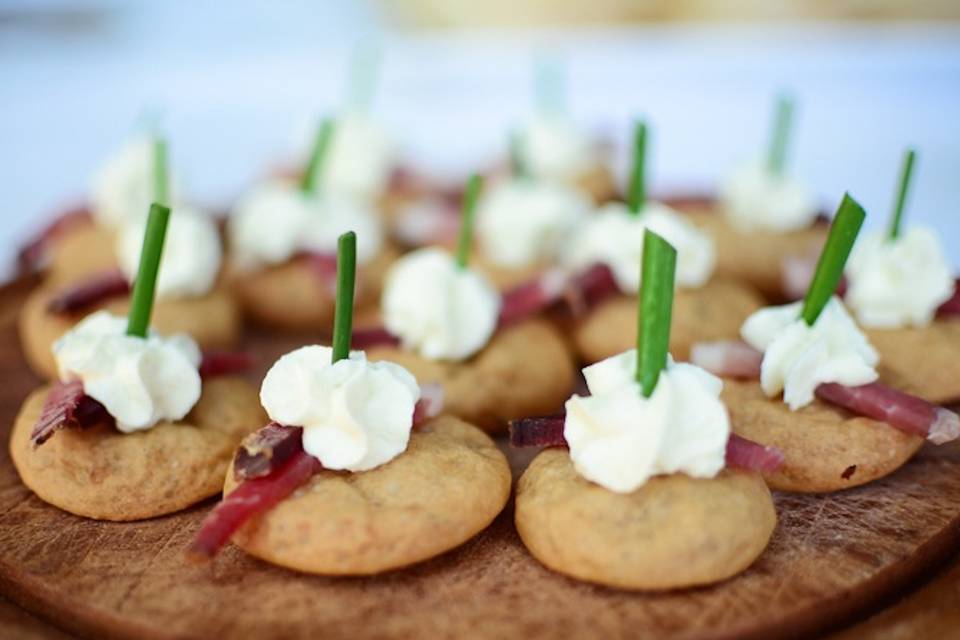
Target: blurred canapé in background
x=238, y=86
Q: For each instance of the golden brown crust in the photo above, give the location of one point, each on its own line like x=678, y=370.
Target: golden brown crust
x=924, y=362
x=715, y=311
x=448, y=485
x=673, y=532
x=757, y=257
x=213, y=320
x=80, y=252
x=291, y=297
x=599, y=183
x=825, y=448
x=526, y=370
x=107, y=475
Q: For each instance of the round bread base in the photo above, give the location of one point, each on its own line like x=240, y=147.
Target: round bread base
x=598, y=183
x=292, y=297
x=825, y=448
x=923, y=362
x=448, y=485
x=525, y=370
x=673, y=532
x=81, y=252
x=104, y=474
x=213, y=320
x=757, y=257
x=715, y=311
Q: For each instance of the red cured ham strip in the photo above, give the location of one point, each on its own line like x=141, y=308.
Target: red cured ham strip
x=952, y=306
x=67, y=407
x=222, y=363
x=548, y=432
x=94, y=290
x=250, y=498
x=589, y=288
x=373, y=337
x=265, y=450
x=796, y=274
x=728, y=358
x=430, y=403
x=33, y=254
x=532, y=297
x=428, y=221
x=324, y=265
x=901, y=410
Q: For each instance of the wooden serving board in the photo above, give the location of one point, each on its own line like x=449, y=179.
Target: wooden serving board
x=832, y=558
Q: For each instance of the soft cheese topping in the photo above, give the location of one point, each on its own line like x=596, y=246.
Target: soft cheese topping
x=355, y=414
x=555, y=149
x=360, y=158
x=522, y=222
x=124, y=186
x=619, y=439
x=191, y=254
x=437, y=309
x=754, y=198
x=798, y=358
x=614, y=236
x=140, y=381
x=900, y=282
x=277, y=220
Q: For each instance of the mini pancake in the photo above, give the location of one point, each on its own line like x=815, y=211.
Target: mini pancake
x=107, y=475
x=922, y=362
x=213, y=320
x=715, y=311
x=525, y=370
x=673, y=532
x=825, y=448
x=448, y=485
x=757, y=257
x=80, y=252
x=598, y=183
x=505, y=278
x=292, y=297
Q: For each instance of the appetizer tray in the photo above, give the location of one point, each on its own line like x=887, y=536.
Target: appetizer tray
x=831, y=559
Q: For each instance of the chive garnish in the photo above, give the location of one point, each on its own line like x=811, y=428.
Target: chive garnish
x=466, y=225
x=518, y=168
x=905, y=173
x=161, y=180
x=312, y=175
x=141, y=304
x=782, y=122
x=343, y=312
x=655, y=309
x=843, y=233
x=637, y=196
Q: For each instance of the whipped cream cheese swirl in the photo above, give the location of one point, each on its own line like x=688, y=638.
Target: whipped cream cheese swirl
x=756, y=199
x=123, y=187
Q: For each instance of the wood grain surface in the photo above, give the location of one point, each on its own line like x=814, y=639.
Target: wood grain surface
x=831, y=559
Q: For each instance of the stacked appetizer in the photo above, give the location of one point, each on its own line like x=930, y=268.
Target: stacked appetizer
x=94, y=266
x=136, y=426
x=355, y=475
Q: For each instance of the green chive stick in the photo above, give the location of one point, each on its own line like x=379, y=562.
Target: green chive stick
x=466, y=225
x=905, y=173
x=141, y=305
x=655, y=309
x=637, y=189
x=843, y=233
x=311, y=176
x=782, y=123
x=343, y=312
x=161, y=180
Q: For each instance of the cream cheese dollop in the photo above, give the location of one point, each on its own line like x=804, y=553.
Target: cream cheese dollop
x=123, y=188
x=140, y=381
x=277, y=220
x=355, y=414
x=753, y=198
x=436, y=308
x=524, y=221
x=619, y=439
x=798, y=358
x=191, y=254
x=614, y=236
x=360, y=158
x=900, y=282
x=554, y=148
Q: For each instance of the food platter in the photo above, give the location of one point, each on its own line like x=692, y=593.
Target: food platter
x=832, y=558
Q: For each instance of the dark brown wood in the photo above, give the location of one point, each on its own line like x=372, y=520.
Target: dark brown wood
x=832, y=558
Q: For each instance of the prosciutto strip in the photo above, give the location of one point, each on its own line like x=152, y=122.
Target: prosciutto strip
x=265, y=450
x=250, y=498
x=92, y=291
x=952, y=306
x=33, y=254
x=427, y=221
x=430, y=403
x=796, y=274
x=875, y=400
x=373, y=337
x=532, y=297
x=324, y=265
x=221, y=363
x=67, y=407
x=589, y=288
x=548, y=432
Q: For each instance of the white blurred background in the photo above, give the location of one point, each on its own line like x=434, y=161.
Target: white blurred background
x=237, y=84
